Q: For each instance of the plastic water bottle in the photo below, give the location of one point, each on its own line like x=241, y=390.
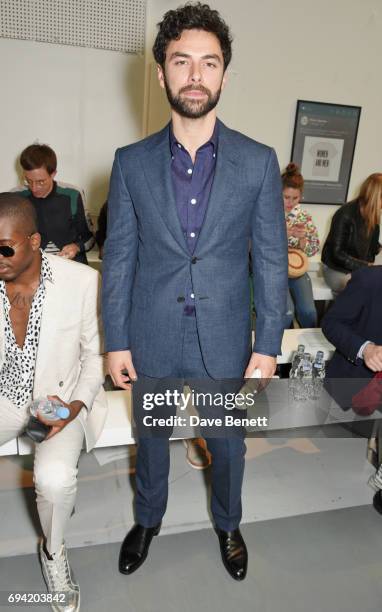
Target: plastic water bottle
x=296, y=360
x=306, y=363
x=318, y=375
x=305, y=377
x=50, y=410
x=293, y=372
x=303, y=382
x=318, y=368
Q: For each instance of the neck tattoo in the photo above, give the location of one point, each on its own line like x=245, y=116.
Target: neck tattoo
x=21, y=301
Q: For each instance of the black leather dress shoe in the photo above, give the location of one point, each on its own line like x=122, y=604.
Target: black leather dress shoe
x=234, y=553
x=135, y=547
x=377, y=501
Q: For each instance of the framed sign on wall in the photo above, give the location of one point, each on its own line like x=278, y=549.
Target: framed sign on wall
x=323, y=146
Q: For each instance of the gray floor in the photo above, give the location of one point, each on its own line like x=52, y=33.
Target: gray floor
x=326, y=561
x=314, y=540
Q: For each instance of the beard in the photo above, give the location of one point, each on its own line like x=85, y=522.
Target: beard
x=192, y=109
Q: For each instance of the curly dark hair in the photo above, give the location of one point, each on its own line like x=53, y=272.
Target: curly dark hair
x=191, y=16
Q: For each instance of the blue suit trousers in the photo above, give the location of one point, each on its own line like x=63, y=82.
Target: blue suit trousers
x=227, y=452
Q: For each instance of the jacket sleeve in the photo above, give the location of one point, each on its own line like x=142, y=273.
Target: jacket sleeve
x=338, y=324
x=101, y=232
x=341, y=229
x=119, y=262
x=91, y=362
x=270, y=262
x=375, y=247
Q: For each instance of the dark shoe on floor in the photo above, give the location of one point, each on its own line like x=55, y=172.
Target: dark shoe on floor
x=377, y=501
x=135, y=547
x=234, y=553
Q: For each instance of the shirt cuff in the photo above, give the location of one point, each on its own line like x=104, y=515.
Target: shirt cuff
x=362, y=348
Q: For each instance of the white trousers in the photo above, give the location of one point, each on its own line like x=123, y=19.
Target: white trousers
x=55, y=470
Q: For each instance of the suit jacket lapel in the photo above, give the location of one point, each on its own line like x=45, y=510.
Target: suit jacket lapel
x=157, y=169
x=47, y=344
x=223, y=185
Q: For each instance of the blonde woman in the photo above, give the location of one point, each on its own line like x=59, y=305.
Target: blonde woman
x=353, y=239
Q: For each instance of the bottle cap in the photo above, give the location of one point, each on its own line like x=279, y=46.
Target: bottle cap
x=63, y=412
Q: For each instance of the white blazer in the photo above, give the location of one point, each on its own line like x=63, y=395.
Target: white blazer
x=69, y=361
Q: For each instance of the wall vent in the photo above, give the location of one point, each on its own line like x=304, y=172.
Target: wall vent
x=117, y=25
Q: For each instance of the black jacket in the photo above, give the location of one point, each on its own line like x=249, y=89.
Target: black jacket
x=102, y=226
x=61, y=219
x=348, y=247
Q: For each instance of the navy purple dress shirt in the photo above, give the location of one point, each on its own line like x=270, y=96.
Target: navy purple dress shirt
x=192, y=184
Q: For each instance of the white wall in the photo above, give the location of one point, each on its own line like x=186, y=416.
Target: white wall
x=86, y=102
x=327, y=51
x=82, y=102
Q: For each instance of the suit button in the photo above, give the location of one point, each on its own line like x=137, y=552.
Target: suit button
x=194, y=260
x=61, y=383
x=180, y=299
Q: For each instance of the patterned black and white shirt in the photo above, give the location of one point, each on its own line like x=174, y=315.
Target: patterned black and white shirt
x=17, y=370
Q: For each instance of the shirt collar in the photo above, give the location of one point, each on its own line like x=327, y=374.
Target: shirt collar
x=46, y=269
x=175, y=145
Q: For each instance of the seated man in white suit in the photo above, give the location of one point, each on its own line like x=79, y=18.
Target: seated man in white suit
x=49, y=346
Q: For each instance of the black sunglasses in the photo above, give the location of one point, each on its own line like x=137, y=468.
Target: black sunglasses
x=9, y=251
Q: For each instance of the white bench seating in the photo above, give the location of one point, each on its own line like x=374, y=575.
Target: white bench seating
x=117, y=430
x=321, y=291
x=312, y=338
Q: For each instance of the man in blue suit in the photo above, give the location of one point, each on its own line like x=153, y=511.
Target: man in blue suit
x=184, y=205
x=353, y=326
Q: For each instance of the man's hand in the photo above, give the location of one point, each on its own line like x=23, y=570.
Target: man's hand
x=267, y=366
x=120, y=362
x=265, y=363
x=372, y=356
x=74, y=408
x=69, y=251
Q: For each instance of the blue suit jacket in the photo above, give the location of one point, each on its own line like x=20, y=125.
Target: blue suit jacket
x=146, y=261
x=356, y=316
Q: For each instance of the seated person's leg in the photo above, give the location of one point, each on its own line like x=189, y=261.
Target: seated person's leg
x=289, y=315
x=302, y=295
x=55, y=478
x=336, y=280
x=12, y=420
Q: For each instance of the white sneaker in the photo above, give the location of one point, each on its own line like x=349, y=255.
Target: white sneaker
x=59, y=579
